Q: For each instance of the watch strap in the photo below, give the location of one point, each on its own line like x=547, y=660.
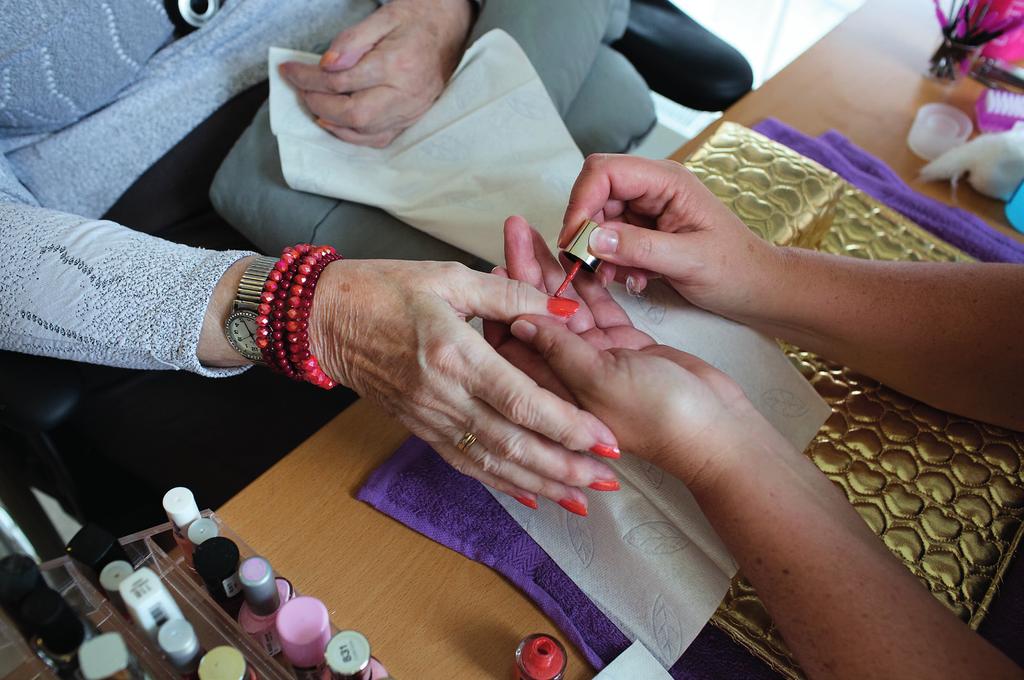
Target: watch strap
x=250, y=288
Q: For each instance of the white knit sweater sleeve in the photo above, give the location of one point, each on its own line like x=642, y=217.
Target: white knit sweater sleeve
x=98, y=292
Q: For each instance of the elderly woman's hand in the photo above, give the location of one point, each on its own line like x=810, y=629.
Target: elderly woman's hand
x=380, y=76
x=657, y=219
x=396, y=332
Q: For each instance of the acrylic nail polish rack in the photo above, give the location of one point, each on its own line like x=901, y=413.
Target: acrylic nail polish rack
x=156, y=549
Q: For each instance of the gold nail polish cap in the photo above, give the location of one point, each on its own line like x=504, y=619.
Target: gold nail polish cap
x=579, y=248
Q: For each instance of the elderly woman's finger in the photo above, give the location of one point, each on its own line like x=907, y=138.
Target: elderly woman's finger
x=469, y=467
x=521, y=255
x=509, y=477
x=521, y=401
x=517, y=447
x=376, y=141
x=349, y=46
x=366, y=111
x=495, y=332
x=498, y=299
x=368, y=73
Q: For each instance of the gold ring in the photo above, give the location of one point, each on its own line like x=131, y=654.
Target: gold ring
x=466, y=442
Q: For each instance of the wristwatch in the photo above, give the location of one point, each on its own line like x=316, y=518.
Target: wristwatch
x=240, y=327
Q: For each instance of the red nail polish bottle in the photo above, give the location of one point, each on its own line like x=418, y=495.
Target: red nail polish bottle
x=539, y=657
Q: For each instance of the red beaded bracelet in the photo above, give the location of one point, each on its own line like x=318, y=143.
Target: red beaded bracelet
x=282, y=334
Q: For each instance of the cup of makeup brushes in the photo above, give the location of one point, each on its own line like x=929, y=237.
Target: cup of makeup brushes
x=967, y=27
x=952, y=59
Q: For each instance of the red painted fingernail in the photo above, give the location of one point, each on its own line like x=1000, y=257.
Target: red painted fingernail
x=329, y=59
x=528, y=502
x=606, y=451
x=574, y=506
x=562, y=307
x=605, y=485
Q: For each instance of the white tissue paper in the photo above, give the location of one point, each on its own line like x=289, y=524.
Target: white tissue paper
x=493, y=145
x=636, y=663
x=645, y=554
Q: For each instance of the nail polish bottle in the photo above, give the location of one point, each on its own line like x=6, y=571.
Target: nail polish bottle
x=225, y=663
x=110, y=580
x=539, y=657
x=304, y=629
x=56, y=631
x=264, y=595
x=348, y=658
x=148, y=601
x=106, y=657
x=19, y=577
x=216, y=562
x=180, y=506
x=178, y=642
x=578, y=249
x=200, y=530
x=94, y=547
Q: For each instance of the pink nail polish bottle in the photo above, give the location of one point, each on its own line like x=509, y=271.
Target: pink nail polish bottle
x=304, y=629
x=264, y=596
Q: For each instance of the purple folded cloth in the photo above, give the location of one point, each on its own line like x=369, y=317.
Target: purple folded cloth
x=467, y=519
x=964, y=230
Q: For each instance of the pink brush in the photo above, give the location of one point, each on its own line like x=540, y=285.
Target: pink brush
x=999, y=110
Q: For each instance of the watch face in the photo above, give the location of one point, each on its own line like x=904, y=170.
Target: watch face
x=241, y=333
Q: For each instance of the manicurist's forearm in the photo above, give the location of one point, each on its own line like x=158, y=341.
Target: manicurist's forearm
x=845, y=606
x=951, y=335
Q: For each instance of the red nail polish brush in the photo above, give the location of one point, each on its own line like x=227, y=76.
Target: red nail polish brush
x=568, y=278
x=578, y=251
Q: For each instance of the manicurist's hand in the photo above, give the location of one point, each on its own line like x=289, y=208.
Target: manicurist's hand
x=658, y=219
x=397, y=332
x=664, y=405
x=380, y=76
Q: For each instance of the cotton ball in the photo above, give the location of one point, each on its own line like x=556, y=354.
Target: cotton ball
x=994, y=163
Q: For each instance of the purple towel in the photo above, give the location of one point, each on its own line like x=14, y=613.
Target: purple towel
x=964, y=230
x=468, y=520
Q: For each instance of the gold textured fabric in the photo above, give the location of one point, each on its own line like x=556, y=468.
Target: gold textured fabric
x=945, y=493
x=785, y=198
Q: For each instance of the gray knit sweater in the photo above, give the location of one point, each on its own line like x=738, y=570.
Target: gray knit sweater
x=93, y=92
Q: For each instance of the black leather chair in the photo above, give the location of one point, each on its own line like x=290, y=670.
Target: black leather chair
x=682, y=60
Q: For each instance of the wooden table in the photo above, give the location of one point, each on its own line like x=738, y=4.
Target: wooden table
x=431, y=613
x=865, y=79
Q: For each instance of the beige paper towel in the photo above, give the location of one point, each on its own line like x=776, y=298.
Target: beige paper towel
x=493, y=145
